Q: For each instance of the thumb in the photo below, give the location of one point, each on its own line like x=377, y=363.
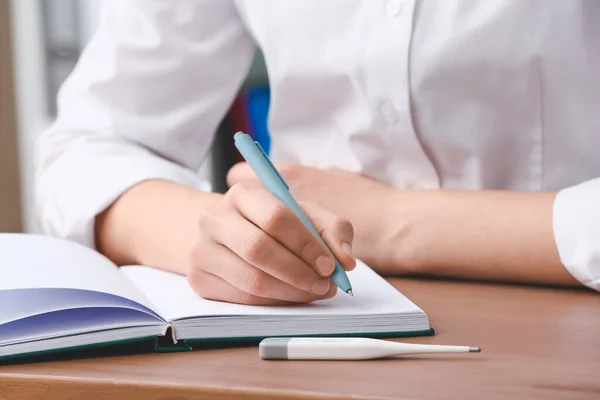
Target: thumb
x=337, y=232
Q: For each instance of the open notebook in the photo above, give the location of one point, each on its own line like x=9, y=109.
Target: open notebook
x=56, y=295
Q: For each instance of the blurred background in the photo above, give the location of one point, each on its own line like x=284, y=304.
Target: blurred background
x=40, y=43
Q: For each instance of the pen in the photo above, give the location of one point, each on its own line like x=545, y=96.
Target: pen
x=258, y=160
x=346, y=349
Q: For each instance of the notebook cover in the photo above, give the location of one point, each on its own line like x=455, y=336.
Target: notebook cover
x=119, y=347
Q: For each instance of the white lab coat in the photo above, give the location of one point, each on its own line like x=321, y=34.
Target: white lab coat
x=501, y=94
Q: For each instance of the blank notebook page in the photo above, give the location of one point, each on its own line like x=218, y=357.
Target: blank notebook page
x=174, y=299
x=36, y=261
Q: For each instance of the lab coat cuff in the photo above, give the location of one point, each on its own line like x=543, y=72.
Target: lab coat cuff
x=576, y=224
x=82, y=189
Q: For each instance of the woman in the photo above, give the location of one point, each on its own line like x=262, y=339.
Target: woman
x=445, y=138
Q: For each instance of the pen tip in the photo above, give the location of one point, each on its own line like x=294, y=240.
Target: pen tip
x=350, y=292
x=474, y=349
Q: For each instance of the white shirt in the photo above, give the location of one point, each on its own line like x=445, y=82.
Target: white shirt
x=420, y=94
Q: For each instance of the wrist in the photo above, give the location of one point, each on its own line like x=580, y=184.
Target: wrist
x=155, y=223
x=398, y=242
x=415, y=230
x=421, y=223
x=381, y=228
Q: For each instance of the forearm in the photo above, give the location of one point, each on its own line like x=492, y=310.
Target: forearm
x=506, y=236
x=154, y=223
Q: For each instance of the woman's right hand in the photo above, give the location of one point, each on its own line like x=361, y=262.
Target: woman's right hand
x=252, y=249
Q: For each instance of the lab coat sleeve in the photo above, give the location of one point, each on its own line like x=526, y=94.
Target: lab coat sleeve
x=576, y=224
x=143, y=102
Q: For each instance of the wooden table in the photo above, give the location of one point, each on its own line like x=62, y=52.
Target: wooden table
x=536, y=343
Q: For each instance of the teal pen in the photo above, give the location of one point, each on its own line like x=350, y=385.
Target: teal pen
x=259, y=161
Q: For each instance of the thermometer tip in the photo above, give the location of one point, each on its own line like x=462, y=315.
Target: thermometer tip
x=474, y=349
x=350, y=292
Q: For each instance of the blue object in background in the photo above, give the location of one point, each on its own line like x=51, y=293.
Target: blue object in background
x=258, y=100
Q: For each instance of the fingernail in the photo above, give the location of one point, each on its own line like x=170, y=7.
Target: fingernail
x=346, y=248
x=321, y=287
x=325, y=265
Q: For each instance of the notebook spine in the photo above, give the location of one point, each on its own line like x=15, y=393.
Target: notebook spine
x=168, y=343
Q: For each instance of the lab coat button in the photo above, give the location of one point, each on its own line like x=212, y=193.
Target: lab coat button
x=394, y=8
x=389, y=113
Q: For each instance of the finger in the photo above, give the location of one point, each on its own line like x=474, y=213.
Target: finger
x=240, y=172
x=252, y=280
x=337, y=232
x=257, y=248
x=212, y=287
x=282, y=224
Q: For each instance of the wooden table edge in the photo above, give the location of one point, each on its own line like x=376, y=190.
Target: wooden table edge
x=44, y=386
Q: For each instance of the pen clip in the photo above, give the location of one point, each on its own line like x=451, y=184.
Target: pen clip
x=271, y=164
